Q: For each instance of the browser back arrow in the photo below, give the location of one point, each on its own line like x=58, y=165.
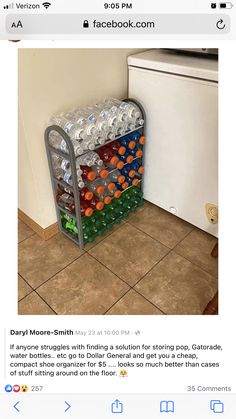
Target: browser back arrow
x=15, y=406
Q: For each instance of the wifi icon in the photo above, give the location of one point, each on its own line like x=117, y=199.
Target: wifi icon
x=46, y=4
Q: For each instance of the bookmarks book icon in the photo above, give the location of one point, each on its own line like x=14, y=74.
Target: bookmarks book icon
x=167, y=406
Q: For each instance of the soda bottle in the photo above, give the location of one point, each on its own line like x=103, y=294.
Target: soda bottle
x=135, y=181
x=96, y=187
x=107, y=183
x=138, y=138
x=107, y=155
x=122, y=186
x=136, y=152
x=120, y=164
x=88, y=173
x=86, y=194
x=66, y=201
x=106, y=198
x=96, y=203
x=117, y=148
x=100, y=171
x=128, y=171
x=127, y=157
x=86, y=209
x=138, y=167
x=127, y=142
x=116, y=176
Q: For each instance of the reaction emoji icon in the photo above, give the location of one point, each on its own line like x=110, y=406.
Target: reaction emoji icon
x=8, y=388
x=123, y=373
x=24, y=388
x=16, y=388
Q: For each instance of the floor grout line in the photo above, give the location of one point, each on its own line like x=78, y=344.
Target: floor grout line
x=109, y=270
x=26, y=295
x=46, y=302
x=195, y=264
x=19, y=242
x=163, y=257
x=185, y=236
x=158, y=241
x=53, y=274
x=153, y=238
x=116, y=301
x=132, y=287
x=154, y=305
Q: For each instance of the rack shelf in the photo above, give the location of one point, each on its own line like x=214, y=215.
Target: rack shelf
x=72, y=224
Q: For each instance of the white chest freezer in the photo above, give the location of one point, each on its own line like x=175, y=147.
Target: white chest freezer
x=180, y=97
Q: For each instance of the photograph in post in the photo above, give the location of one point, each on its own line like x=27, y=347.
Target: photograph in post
x=118, y=181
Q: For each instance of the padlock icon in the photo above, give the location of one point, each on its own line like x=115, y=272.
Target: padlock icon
x=85, y=24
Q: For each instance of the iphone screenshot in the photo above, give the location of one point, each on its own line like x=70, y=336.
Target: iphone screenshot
x=117, y=210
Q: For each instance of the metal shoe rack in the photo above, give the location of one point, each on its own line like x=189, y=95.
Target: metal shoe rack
x=70, y=156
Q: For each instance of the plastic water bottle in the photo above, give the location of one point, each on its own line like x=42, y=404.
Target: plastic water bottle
x=67, y=122
x=67, y=177
x=78, y=148
x=56, y=162
x=134, y=115
x=90, y=158
x=65, y=164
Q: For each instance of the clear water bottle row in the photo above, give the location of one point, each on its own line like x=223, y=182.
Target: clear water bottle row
x=92, y=126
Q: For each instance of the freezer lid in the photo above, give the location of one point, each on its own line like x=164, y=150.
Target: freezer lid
x=176, y=63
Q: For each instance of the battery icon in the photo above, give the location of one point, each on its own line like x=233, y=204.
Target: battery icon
x=227, y=5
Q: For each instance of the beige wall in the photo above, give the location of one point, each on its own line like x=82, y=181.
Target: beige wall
x=53, y=80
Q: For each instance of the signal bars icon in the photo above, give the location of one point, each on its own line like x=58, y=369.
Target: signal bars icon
x=46, y=4
x=9, y=6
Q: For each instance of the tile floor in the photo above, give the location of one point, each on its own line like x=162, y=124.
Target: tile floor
x=153, y=263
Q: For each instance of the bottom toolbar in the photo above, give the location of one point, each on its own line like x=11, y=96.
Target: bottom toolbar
x=138, y=406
